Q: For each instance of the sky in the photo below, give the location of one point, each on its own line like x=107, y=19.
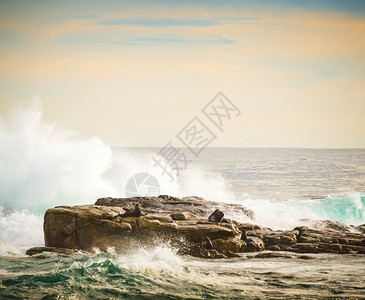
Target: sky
x=135, y=73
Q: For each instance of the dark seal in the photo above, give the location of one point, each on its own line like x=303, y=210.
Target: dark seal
x=136, y=213
x=216, y=216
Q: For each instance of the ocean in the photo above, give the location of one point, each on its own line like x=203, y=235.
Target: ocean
x=284, y=187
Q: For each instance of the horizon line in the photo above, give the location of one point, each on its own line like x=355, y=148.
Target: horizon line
x=234, y=147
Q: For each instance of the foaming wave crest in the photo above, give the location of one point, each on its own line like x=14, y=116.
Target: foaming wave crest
x=161, y=258
x=42, y=167
x=291, y=213
x=20, y=230
x=149, y=260
x=7, y=248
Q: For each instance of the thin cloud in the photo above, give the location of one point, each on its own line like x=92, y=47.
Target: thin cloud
x=151, y=40
x=84, y=17
x=166, y=22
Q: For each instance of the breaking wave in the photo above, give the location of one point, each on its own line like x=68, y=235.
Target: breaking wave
x=288, y=214
x=42, y=166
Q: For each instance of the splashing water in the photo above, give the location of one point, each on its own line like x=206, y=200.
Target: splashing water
x=291, y=213
x=42, y=167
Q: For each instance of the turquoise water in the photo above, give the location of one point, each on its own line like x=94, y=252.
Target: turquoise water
x=159, y=273
x=349, y=209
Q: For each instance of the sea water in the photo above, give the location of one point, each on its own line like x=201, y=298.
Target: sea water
x=41, y=166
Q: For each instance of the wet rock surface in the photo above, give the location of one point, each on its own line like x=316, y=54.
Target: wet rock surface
x=170, y=204
x=192, y=225
x=281, y=255
x=38, y=250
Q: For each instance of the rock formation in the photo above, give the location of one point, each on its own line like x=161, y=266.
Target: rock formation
x=188, y=225
x=168, y=204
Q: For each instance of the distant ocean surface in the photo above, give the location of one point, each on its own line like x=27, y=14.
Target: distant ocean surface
x=284, y=187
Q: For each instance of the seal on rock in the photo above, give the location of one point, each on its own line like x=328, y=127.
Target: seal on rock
x=216, y=216
x=136, y=213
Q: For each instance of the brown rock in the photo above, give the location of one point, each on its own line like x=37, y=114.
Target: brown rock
x=260, y=233
x=281, y=255
x=352, y=249
x=231, y=254
x=168, y=204
x=276, y=248
x=243, y=235
x=215, y=254
x=248, y=226
x=83, y=227
x=304, y=248
x=254, y=244
x=207, y=243
x=183, y=223
x=197, y=232
x=331, y=225
x=280, y=238
x=159, y=217
x=38, y=250
x=86, y=227
x=180, y=216
x=228, y=245
x=314, y=236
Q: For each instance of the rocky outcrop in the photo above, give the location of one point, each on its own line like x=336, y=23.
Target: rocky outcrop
x=169, y=204
x=308, y=240
x=188, y=225
x=92, y=226
x=83, y=227
x=328, y=241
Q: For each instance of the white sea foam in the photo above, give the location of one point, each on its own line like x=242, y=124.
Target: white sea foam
x=150, y=260
x=290, y=213
x=8, y=249
x=42, y=166
x=147, y=260
x=20, y=230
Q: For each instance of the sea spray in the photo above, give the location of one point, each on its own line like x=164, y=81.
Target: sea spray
x=42, y=167
x=8, y=249
x=21, y=230
x=287, y=214
x=147, y=260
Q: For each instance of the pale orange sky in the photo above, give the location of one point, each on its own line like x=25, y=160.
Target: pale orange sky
x=134, y=75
